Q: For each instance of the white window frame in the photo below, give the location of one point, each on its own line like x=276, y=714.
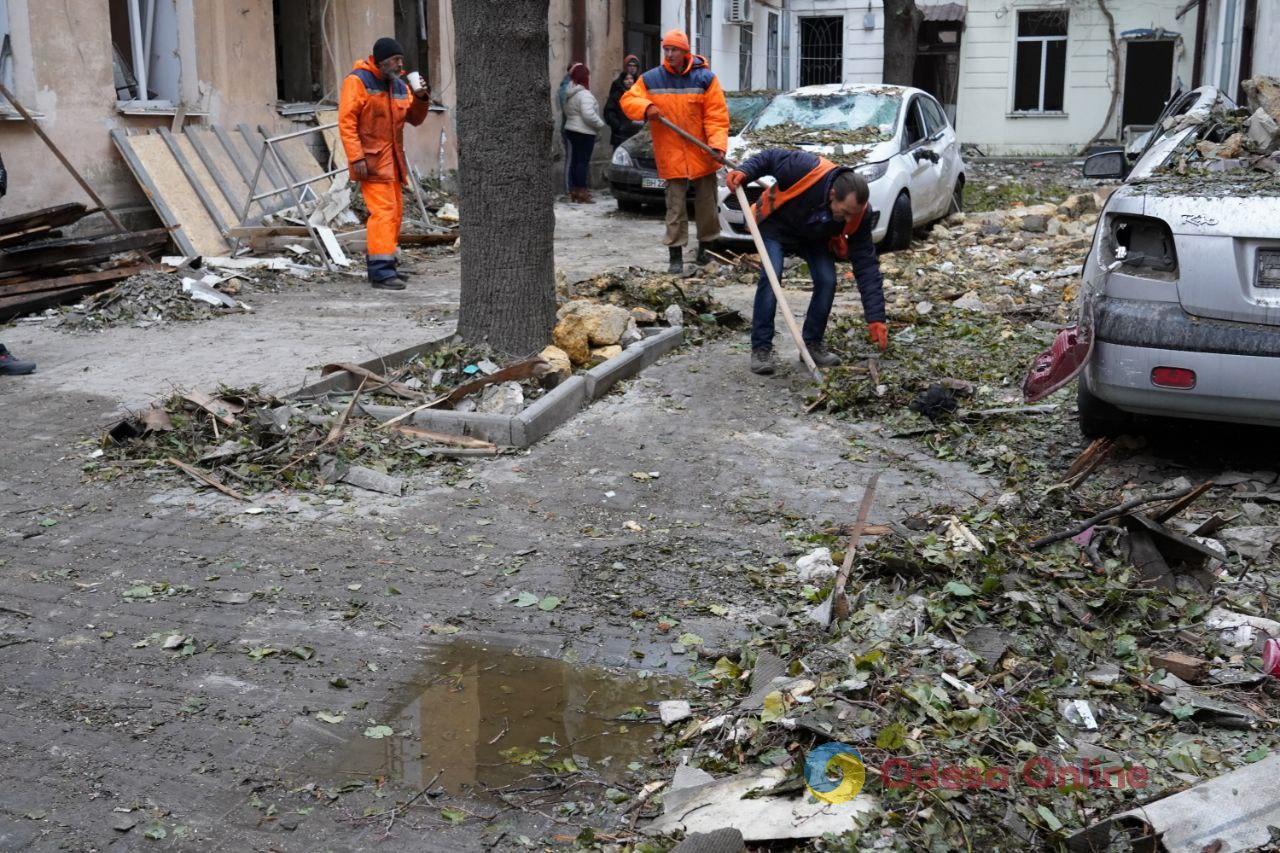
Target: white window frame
x=773, y=53
x=747, y=40
x=140, y=12
x=21, y=79
x=1044, y=62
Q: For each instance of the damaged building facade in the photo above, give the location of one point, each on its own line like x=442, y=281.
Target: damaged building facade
x=1052, y=77
x=87, y=67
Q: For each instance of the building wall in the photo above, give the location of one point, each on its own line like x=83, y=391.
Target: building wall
x=987, y=71
x=64, y=72
x=863, y=48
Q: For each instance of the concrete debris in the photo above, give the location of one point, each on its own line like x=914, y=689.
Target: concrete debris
x=448, y=212
x=673, y=711
x=816, y=564
x=1234, y=811
x=1263, y=130
x=1263, y=93
x=504, y=399
x=674, y=316
x=373, y=481
x=723, y=804
x=559, y=360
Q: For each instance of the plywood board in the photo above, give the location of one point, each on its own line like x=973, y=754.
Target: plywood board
x=198, y=169
x=171, y=185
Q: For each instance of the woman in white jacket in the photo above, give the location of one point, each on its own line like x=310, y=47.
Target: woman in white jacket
x=582, y=122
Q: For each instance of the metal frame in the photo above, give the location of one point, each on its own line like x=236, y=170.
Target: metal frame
x=291, y=187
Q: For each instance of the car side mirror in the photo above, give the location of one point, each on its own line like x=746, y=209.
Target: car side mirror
x=1107, y=164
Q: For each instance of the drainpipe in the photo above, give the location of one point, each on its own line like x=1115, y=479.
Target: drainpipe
x=1197, y=68
x=1228, y=37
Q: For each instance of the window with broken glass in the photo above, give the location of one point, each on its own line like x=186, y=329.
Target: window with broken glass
x=1040, y=71
x=746, y=37
x=148, y=61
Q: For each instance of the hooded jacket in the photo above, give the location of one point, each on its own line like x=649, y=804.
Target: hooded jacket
x=807, y=219
x=582, y=111
x=371, y=115
x=690, y=98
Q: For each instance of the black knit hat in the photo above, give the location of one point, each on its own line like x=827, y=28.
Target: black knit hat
x=385, y=48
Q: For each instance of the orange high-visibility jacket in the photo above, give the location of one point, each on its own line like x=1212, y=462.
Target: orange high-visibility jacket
x=371, y=117
x=691, y=99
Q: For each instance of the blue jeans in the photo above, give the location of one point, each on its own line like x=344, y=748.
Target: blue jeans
x=822, y=267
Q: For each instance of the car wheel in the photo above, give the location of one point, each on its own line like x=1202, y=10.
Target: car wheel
x=957, y=197
x=1100, y=419
x=898, y=236
x=627, y=205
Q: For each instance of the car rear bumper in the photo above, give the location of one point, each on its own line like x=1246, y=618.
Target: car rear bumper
x=1234, y=388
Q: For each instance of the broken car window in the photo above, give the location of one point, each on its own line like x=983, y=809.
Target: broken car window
x=839, y=111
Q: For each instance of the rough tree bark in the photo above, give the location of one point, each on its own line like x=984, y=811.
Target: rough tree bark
x=901, y=30
x=504, y=136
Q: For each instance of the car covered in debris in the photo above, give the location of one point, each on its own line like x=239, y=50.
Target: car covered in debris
x=1179, y=312
x=898, y=137
x=633, y=172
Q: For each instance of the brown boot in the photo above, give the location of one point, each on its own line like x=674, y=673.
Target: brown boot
x=584, y=195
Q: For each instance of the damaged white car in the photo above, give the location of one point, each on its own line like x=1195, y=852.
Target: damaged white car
x=1180, y=297
x=896, y=136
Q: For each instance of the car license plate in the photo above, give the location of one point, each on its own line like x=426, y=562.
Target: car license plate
x=653, y=183
x=1268, y=274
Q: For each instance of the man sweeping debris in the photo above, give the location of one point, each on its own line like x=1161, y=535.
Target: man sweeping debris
x=686, y=92
x=818, y=211
x=372, y=110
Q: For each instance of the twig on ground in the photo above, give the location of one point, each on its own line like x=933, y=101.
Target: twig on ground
x=1110, y=513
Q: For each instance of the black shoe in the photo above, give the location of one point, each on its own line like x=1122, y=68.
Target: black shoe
x=393, y=283
x=822, y=356
x=676, y=265
x=402, y=277
x=702, y=258
x=11, y=366
x=762, y=361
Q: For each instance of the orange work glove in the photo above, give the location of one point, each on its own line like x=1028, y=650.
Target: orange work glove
x=735, y=179
x=652, y=113
x=878, y=333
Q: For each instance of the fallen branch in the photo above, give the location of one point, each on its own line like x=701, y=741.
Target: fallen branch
x=206, y=479
x=382, y=382
x=1043, y=409
x=840, y=602
x=1110, y=513
x=444, y=437
x=1182, y=503
x=514, y=372
x=335, y=432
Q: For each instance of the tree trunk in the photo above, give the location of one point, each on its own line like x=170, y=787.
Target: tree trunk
x=504, y=138
x=901, y=31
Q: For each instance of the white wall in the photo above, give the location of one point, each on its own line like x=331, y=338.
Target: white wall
x=983, y=113
x=1266, y=59
x=863, y=49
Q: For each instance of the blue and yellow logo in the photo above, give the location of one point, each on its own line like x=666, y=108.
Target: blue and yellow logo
x=834, y=772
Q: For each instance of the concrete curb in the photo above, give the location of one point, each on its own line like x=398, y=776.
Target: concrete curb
x=534, y=423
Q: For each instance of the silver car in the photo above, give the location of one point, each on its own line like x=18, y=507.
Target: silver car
x=1180, y=298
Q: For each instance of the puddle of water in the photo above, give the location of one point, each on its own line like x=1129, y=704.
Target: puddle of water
x=473, y=703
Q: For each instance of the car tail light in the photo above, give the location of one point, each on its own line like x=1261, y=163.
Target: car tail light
x=1173, y=377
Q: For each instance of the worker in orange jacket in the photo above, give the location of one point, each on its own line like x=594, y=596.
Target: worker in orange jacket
x=687, y=93
x=372, y=109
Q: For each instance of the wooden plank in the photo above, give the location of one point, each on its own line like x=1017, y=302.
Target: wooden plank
x=237, y=153
x=100, y=276
x=18, y=306
x=124, y=144
x=201, y=184
x=79, y=251
x=48, y=217
x=233, y=198
x=203, y=232
x=256, y=143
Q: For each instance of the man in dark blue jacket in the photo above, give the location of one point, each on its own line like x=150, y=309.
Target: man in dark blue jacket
x=817, y=211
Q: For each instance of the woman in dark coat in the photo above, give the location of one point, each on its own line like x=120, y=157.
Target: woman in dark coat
x=622, y=128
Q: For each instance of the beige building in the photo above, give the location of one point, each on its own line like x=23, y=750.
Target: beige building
x=87, y=67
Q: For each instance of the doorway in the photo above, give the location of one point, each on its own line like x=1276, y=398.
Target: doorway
x=1148, y=80
x=644, y=31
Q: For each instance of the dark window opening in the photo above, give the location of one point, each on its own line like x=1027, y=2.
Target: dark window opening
x=299, y=50
x=644, y=31
x=1040, y=74
x=821, y=50
x=411, y=32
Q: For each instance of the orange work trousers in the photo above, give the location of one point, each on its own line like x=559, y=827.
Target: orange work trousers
x=385, y=200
